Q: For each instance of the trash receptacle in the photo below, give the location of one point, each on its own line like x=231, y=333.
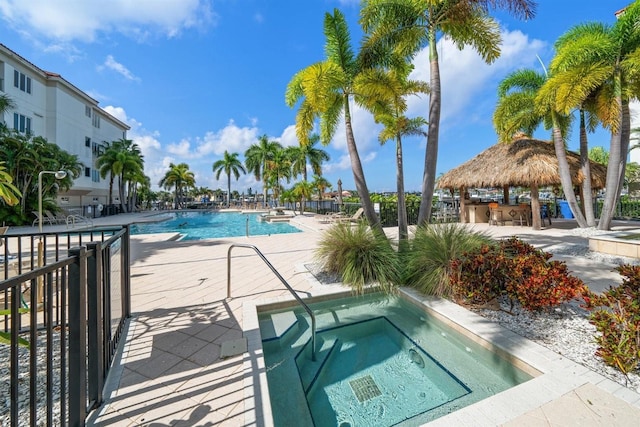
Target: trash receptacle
x=565, y=210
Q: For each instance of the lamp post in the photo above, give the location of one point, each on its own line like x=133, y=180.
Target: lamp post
x=58, y=175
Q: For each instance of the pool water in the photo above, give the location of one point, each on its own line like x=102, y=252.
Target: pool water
x=210, y=225
x=380, y=361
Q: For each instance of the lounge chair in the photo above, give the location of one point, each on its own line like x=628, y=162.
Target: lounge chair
x=353, y=218
x=74, y=219
x=59, y=218
x=40, y=219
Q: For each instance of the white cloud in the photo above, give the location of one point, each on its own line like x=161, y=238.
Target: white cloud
x=82, y=20
x=181, y=149
x=289, y=138
x=114, y=65
x=465, y=75
x=231, y=138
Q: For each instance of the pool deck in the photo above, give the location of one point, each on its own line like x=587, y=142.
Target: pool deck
x=170, y=370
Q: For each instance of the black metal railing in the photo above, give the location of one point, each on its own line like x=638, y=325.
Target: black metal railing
x=66, y=296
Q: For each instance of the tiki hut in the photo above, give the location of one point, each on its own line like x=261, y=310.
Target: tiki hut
x=525, y=162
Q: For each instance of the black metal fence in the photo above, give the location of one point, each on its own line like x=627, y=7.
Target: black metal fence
x=64, y=301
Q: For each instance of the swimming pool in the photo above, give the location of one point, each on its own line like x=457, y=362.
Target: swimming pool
x=210, y=225
x=380, y=360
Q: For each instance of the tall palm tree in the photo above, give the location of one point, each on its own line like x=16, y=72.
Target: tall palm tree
x=256, y=158
x=400, y=28
x=278, y=168
x=229, y=164
x=602, y=61
x=518, y=111
x=324, y=91
x=320, y=184
x=393, y=87
x=304, y=154
x=179, y=177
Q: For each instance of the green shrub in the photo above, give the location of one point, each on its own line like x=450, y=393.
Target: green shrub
x=616, y=317
x=427, y=262
x=515, y=270
x=359, y=256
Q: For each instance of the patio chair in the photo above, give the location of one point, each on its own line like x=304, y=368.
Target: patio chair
x=545, y=213
x=40, y=219
x=495, y=214
x=353, y=218
x=59, y=218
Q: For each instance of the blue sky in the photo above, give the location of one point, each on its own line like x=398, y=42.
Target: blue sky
x=194, y=78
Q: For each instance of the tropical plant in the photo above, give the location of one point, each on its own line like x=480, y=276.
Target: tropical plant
x=278, y=167
x=324, y=91
x=517, y=111
x=302, y=191
x=603, y=62
x=616, y=316
x=392, y=88
x=230, y=165
x=179, y=177
x=8, y=192
x=5, y=337
x=307, y=153
x=122, y=159
x=320, y=184
x=427, y=263
x=24, y=157
x=256, y=159
x=360, y=255
x=398, y=29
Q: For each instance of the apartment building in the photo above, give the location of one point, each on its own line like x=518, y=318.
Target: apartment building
x=48, y=105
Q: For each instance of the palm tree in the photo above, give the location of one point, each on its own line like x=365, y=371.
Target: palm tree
x=320, y=184
x=302, y=191
x=6, y=104
x=179, y=177
x=277, y=168
x=400, y=28
x=300, y=155
x=325, y=90
x=518, y=111
x=256, y=158
x=601, y=61
x=229, y=164
x=389, y=107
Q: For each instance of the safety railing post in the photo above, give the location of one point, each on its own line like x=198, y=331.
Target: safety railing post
x=95, y=323
x=77, y=337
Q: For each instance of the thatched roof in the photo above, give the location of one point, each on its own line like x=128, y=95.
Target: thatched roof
x=525, y=162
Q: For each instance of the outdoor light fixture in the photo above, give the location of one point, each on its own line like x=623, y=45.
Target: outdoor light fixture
x=58, y=175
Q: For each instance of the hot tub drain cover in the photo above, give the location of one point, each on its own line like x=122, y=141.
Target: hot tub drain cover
x=364, y=388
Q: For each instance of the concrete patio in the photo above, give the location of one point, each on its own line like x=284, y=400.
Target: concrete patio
x=170, y=370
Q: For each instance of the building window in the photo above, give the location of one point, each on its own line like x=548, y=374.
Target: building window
x=22, y=81
x=87, y=141
x=87, y=172
x=87, y=111
x=21, y=123
x=96, y=120
x=95, y=175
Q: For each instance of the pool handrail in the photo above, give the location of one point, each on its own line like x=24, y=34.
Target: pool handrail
x=284, y=282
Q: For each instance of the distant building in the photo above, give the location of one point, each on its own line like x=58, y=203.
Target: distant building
x=47, y=105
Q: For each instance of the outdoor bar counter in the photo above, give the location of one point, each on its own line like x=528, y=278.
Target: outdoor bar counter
x=478, y=213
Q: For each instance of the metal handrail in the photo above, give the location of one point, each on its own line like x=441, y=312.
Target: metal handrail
x=284, y=282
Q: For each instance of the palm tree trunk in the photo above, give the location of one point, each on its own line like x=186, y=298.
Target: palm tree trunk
x=358, y=172
x=565, y=174
x=403, y=234
x=587, y=200
x=229, y=190
x=613, y=175
x=536, y=222
x=431, y=153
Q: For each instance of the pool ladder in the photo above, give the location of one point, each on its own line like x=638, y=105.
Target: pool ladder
x=284, y=282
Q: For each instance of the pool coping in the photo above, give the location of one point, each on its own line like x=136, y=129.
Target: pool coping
x=554, y=374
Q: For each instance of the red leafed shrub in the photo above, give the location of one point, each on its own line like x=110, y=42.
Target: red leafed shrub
x=616, y=316
x=517, y=271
